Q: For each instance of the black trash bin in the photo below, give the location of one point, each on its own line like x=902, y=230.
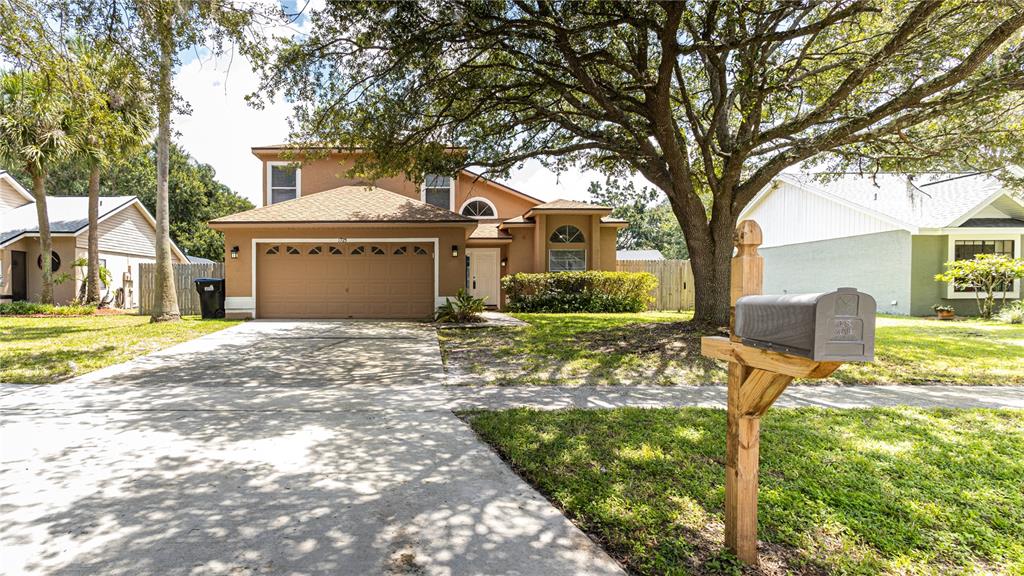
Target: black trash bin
x=211, y=296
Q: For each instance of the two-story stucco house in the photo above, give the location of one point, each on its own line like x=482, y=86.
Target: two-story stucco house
x=324, y=245
x=127, y=238
x=888, y=235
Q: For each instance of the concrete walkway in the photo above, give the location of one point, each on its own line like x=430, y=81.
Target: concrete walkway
x=557, y=397
x=269, y=448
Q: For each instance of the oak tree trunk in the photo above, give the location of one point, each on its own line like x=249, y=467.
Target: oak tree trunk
x=45, y=242
x=92, y=279
x=165, y=303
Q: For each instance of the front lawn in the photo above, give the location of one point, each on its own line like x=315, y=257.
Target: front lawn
x=897, y=491
x=662, y=348
x=46, y=350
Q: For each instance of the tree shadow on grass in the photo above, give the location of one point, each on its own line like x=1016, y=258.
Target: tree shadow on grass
x=850, y=491
x=30, y=366
x=28, y=333
x=648, y=353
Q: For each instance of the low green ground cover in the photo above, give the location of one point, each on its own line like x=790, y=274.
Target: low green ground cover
x=22, y=308
x=663, y=348
x=874, y=491
x=48, y=349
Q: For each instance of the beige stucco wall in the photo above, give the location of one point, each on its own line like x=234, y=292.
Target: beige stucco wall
x=63, y=246
x=238, y=272
x=331, y=172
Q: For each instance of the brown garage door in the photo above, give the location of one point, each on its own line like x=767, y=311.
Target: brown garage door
x=350, y=280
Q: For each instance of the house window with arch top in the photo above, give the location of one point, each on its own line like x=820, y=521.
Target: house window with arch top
x=567, y=234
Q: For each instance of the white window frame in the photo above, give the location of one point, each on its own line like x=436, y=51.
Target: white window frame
x=451, y=191
x=585, y=263
x=485, y=201
x=267, y=192
x=951, y=291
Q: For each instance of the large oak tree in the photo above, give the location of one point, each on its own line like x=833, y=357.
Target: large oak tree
x=707, y=98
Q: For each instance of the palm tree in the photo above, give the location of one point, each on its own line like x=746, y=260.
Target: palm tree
x=36, y=131
x=117, y=119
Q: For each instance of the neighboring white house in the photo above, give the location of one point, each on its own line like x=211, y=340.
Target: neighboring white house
x=639, y=255
x=887, y=234
x=127, y=237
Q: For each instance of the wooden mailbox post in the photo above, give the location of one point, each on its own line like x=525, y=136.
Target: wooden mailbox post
x=756, y=379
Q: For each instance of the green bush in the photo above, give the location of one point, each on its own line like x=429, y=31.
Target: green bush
x=591, y=291
x=464, y=308
x=1012, y=313
x=23, y=308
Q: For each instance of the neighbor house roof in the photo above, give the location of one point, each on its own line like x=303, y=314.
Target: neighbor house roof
x=639, y=255
x=68, y=215
x=347, y=204
x=993, y=223
x=930, y=200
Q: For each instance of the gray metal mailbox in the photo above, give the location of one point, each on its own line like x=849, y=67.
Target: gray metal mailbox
x=832, y=326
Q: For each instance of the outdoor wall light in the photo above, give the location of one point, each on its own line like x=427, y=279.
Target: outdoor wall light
x=455, y=250
x=234, y=252
x=504, y=262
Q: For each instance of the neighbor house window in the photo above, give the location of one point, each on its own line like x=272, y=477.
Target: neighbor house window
x=284, y=179
x=437, y=191
x=967, y=249
x=567, y=260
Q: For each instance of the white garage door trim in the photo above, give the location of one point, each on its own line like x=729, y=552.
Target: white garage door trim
x=247, y=304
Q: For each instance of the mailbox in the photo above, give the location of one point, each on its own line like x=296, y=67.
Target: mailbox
x=832, y=326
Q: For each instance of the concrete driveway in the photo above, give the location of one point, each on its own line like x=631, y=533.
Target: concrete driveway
x=269, y=448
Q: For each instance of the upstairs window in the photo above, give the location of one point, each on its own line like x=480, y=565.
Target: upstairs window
x=478, y=208
x=437, y=191
x=567, y=235
x=284, y=178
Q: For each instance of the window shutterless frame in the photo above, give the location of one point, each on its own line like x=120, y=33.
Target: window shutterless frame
x=553, y=252
x=451, y=189
x=268, y=192
x=951, y=292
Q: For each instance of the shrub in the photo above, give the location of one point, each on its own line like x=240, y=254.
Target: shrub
x=1012, y=313
x=23, y=308
x=464, y=308
x=591, y=291
x=986, y=274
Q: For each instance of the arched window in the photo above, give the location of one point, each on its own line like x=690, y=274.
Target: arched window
x=478, y=208
x=567, y=235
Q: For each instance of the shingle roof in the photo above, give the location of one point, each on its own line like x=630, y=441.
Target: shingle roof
x=569, y=205
x=518, y=220
x=489, y=231
x=931, y=201
x=347, y=204
x=993, y=223
x=68, y=215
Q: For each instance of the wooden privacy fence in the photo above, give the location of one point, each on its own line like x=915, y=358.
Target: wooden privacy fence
x=675, y=281
x=184, y=278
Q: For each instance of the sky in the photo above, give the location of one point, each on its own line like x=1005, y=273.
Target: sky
x=222, y=128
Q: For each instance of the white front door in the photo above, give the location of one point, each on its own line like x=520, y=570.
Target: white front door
x=484, y=274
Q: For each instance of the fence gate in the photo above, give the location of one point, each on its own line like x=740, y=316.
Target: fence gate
x=675, y=281
x=184, y=277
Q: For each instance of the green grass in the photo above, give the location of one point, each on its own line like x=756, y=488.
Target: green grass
x=46, y=350
x=22, y=308
x=660, y=348
x=894, y=491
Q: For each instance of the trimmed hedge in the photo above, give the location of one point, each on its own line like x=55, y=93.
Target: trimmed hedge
x=23, y=308
x=591, y=291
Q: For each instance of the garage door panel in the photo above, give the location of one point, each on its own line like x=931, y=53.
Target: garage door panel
x=364, y=280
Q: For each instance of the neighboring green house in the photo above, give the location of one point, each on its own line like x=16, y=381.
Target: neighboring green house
x=886, y=234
